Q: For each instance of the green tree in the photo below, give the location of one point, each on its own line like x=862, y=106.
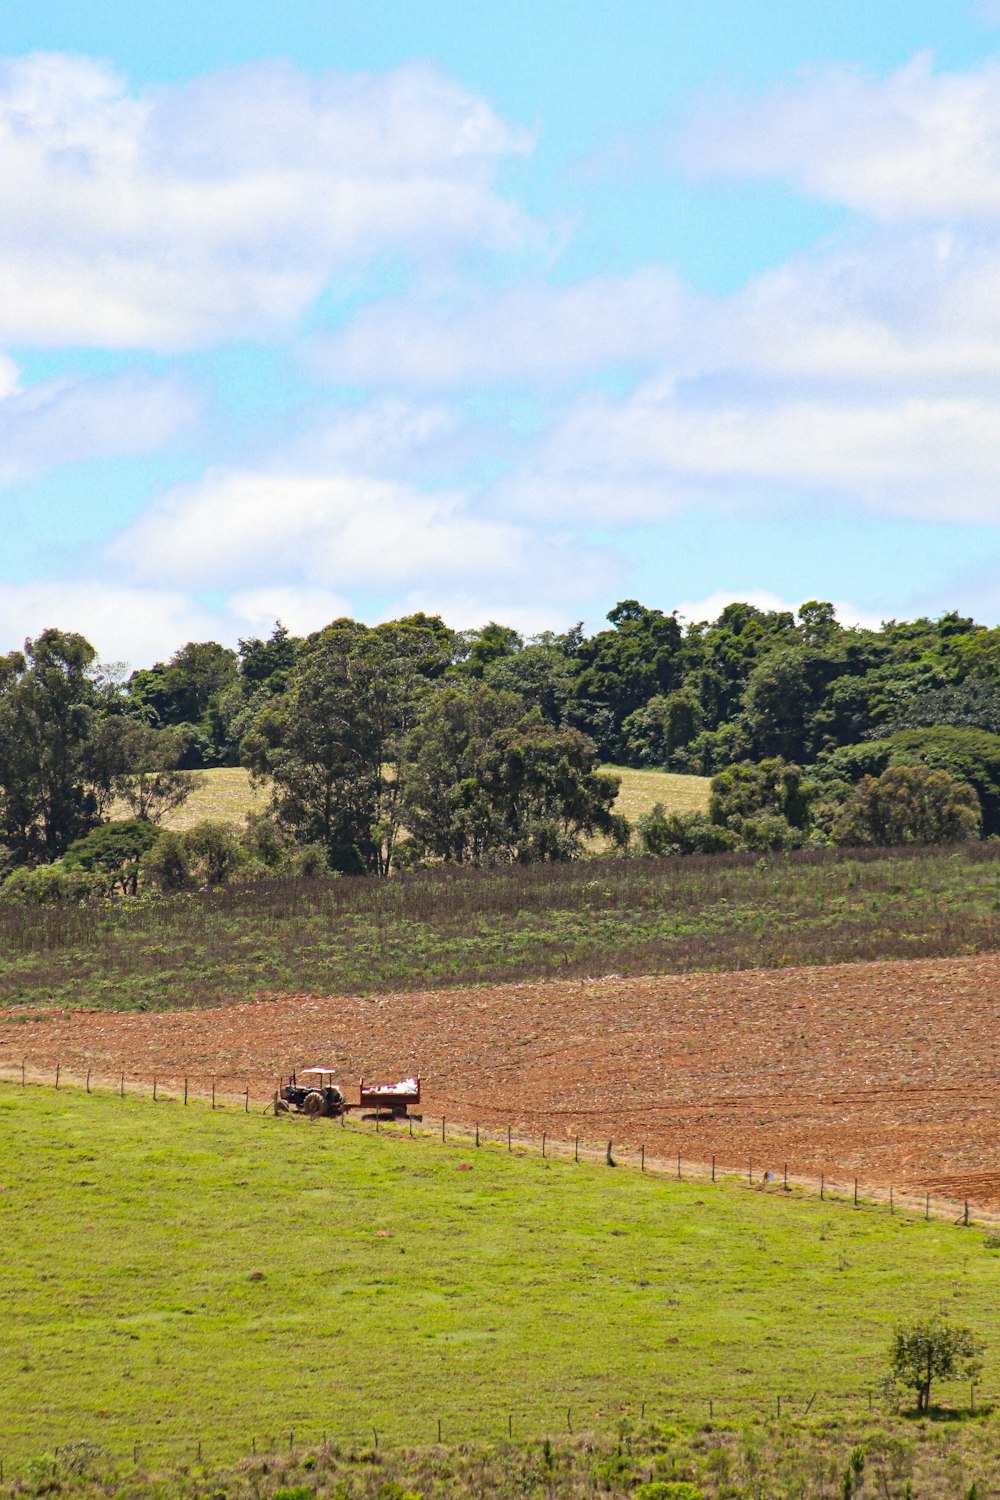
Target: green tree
x=909, y=805
x=934, y=1349
x=186, y=694
x=138, y=765
x=333, y=743
x=47, y=713
x=488, y=783
x=113, y=851
x=766, y=806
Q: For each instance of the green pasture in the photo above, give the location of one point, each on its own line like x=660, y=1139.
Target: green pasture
x=174, y=1275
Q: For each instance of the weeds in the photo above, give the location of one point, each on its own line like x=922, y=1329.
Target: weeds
x=458, y=927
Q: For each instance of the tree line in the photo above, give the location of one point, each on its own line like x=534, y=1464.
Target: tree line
x=408, y=742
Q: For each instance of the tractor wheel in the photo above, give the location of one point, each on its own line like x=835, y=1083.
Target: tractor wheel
x=313, y=1105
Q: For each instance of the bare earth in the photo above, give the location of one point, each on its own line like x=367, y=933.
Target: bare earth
x=888, y=1071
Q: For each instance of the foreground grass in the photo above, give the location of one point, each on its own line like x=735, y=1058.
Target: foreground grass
x=444, y=927
x=175, y=1276
x=790, y=1459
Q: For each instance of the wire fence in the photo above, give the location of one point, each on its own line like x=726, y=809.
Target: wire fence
x=230, y=1091
x=722, y=1409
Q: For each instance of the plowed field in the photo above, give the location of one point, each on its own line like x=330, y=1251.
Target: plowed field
x=888, y=1071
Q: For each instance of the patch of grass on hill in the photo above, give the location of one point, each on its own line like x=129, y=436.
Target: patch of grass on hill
x=172, y=1275
x=641, y=790
x=459, y=927
x=226, y=793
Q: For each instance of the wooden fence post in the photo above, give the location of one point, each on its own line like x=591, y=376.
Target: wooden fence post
x=855, y=1192
x=154, y=1090
x=543, y=1145
x=123, y=1086
x=213, y=1093
x=927, y=1206
x=57, y=1075
x=508, y=1138
x=576, y=1149
x=185, y=1091
x=642, y=1158
x=822, y=1185
x=88, y=1080
x=246, y=1101
x=22, y=1072
x=477, y=1132
x=713, y=1168
x=442, y=1127
x=609, y=1159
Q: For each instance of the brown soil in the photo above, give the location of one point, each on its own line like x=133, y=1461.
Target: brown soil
x=888, y=1071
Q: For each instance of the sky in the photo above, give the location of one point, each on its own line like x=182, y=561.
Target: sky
x=499, y=311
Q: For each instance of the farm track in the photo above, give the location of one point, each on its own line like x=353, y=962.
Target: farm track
x=887, y=1071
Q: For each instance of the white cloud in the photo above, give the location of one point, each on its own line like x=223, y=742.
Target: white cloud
x=66, y=420
x=271, y=534
x=221, y=208
x=301, y=609
x=530, y=331
x=914, y=145
x=122, y=621
x=655, y=452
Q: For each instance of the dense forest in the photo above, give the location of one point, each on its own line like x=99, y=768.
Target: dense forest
x=406, y=743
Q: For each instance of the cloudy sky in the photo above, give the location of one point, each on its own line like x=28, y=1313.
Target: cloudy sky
x=500, y=310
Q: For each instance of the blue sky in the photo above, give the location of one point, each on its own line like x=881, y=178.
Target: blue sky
x=506, y=310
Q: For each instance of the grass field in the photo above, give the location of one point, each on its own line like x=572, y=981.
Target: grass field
x=451, y=927
x=227, y=794
x=174, y=1275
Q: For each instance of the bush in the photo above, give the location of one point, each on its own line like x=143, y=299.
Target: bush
x=668, y=1489
x=909, y=805
x=50, y=885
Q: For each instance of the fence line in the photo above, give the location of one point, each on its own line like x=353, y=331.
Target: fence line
x=628, y=1419
x=249, y=1095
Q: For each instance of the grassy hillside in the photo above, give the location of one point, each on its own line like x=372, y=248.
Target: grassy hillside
x=172, y=1276
x=226, y=793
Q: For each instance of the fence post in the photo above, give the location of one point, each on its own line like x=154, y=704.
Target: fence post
x=642, y=1158
x=442, y=1127
x=123, y=1086
x=185, y=1091
x=88, y=1080
x=751, y=1170
x=508, y=1138
x=22, y=1072
x=713, y=1168
x=57, y=1075
x=927, y=1206
x=213, y=1093
x=510, y=1424
x=822, y=1185
x=439, y=1429
x=543, y=1144
x=477, y=1132
x=965, y=1218
x=576, y=1149
x=154, y=1090
x=609, y=1159
x=409, y=1117
x=246, y=1101
x=786, y=1174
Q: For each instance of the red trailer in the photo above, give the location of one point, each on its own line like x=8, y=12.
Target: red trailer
x=398, y=1098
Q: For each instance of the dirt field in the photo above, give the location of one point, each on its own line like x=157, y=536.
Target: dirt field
x=886, y=1070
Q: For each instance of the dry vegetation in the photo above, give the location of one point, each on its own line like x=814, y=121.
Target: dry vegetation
x=227, y=794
